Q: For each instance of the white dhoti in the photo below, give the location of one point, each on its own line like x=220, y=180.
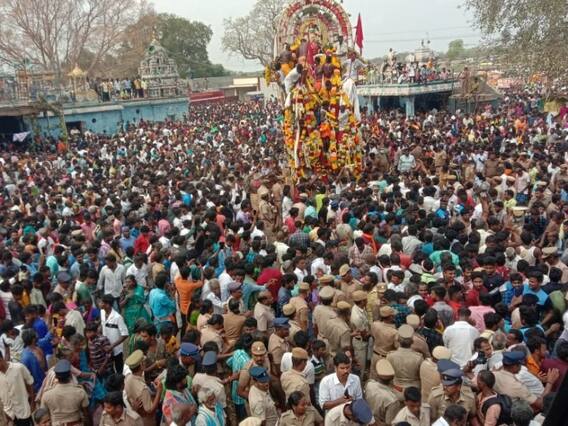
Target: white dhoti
x=350, y=89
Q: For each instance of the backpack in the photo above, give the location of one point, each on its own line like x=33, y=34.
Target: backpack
x=505, y=402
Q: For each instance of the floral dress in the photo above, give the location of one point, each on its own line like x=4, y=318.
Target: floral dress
x=173, y=398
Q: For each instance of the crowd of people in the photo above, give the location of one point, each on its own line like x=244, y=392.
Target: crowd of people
x=173, y=274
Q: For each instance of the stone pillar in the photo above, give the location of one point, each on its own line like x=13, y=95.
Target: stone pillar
x=408, y=102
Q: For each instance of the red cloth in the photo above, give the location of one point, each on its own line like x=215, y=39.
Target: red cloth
x=268, y=274
x=562, y=366
x=359, y=34
x=141, y=244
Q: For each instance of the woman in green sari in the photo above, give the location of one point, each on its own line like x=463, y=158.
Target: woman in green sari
x=132, y=302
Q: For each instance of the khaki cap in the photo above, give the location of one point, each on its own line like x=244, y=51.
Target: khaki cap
x=326, y=293
x=258, y=348
x=134, y=359
x=441, y=352
x=327, y=279
x=382, y=287
x=304, y=286
x=405, y=331
x=384, y=368
x=344, y=270
x=342, y=305
x=300, y=353
x=549, y=251
x=288, y=309
x=359, y=295
x=386, y=311
x=413, y=320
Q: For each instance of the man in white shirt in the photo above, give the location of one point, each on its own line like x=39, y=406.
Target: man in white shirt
x=140, y=270
x=15, y=391
x=339, y=387
x=114, y=329
x=111, y=278
x=459, y=338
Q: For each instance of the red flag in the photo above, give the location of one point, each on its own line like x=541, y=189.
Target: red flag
x=359, y=34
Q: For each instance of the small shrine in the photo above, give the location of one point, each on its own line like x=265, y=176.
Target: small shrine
x=160, y=73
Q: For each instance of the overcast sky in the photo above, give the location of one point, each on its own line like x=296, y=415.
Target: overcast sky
x=386, y=23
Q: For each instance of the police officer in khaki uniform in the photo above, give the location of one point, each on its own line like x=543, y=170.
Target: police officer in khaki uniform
x=323, y=313
x=419, y=343
x=360, y=323
x=137, y=392
x=339, y=330
x=506, y=382
x=290, y=312
x=451, y=391
x=348, y=284
x=429, y=375
x=301, y=305
x=385, y=401
x=294, y=380
x=66, y=402
x=208, y=379
x=405, y=361
x=375, y=301
x=278, y=344
x=329, y=282
x=300, y=414
x=384, y=336
x=116, y=414
x=261, y=404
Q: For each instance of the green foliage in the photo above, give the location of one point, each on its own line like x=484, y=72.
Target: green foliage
x=533, y=34
x=186, y=42
x=455, y=49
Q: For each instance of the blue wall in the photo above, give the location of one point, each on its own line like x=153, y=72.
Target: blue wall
x=107, y=117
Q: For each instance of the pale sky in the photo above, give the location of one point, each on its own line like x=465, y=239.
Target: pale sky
x=386, y=23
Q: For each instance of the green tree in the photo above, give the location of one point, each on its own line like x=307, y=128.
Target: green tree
x=455, y=49
x=532, y=34
x=185, y=41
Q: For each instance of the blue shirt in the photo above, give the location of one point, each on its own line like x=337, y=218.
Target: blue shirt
x=544, y=302
x=126, y=242
x=34, y=367
x=161, y=303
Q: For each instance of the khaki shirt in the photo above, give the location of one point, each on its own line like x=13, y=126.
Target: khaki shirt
x=359, y=319
x=349, y=288
x=128, y=418
x=385, y=336
x=507, y=384
x=294, y=328
x=335, y=417
x=429, y=378
x=244, y=375
x=322, y=315
x=373, y=304
x=288, y=418
x=439, y=402
x=136, y=390
x=385, y=402
x=406, y=364
x=339, y=335
x=293, y=380
x=210, y=334
x=419, y=345
x=233, y=326
x=404, y=415
x=264, y=316
x=302, y=310
x=65, y=403
x=262, y=406
x=277, y=346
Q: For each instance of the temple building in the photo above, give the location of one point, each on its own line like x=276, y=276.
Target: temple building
x=160, y=73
